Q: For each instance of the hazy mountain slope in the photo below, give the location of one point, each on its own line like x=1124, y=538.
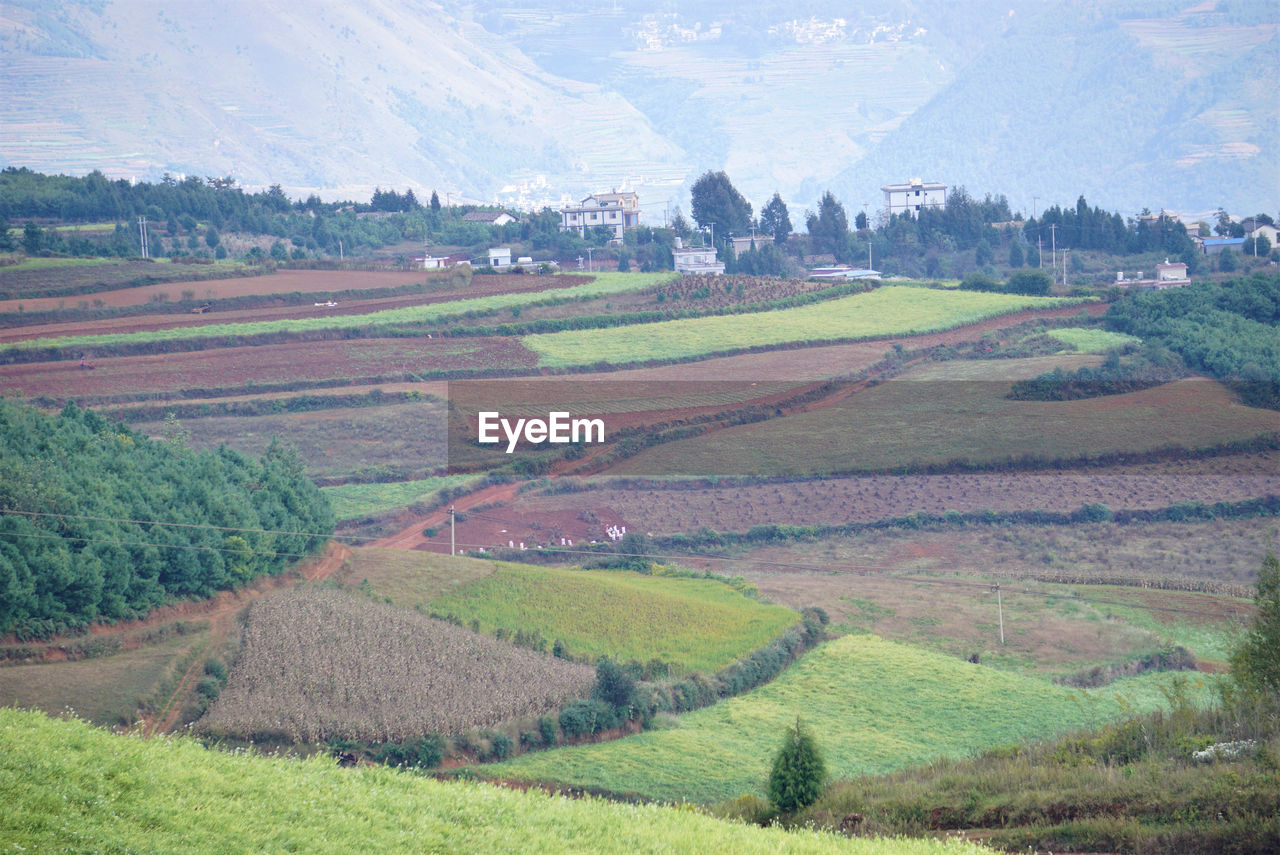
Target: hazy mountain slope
x=1134, y=103
x=1174, y=112
x=307, y=94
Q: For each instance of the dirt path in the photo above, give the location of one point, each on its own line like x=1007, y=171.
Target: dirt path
x=412, y=537
x=221, y=612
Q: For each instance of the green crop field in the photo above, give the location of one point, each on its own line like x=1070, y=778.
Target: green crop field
x=888, y=311
x=873, y=705
x=958, y=411
x=352, y=501
x=602, y=285
x=69, y=787
x=1092, y=340
x=694, y=624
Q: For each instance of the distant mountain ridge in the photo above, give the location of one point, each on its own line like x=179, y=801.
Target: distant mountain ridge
x=1131, y=104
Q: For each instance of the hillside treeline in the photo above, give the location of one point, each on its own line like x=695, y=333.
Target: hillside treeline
x=189, y=215
x=1229, y=330
x=98, y=522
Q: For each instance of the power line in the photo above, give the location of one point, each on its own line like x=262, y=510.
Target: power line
x=883, y=571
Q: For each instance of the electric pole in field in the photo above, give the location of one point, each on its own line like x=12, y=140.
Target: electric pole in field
x=1053, y=236
x=142, y=237
x=452, y=539
x=999, y=609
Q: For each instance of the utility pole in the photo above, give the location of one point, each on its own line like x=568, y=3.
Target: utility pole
x=1053, y=236
x=713, y=235
x=590, y=267
x=1034, y=199
x=1040, y=250
x=1000, y=609
x=452, y=540
x=142, y=237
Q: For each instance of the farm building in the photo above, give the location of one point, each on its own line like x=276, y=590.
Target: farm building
x=617, y=211
x=909, y=198
x=1213, y=246
x=490, y=218
x=500, y=256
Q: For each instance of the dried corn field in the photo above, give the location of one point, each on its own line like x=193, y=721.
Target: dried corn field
x=322, y=663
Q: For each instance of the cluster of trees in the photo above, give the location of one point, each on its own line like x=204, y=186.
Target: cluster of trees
x=98, y=522
x=190, y=216
x=1224, y=329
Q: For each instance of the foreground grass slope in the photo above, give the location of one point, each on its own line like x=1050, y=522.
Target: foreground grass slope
x=69, y=787
x=874, y=706
x=693, y=624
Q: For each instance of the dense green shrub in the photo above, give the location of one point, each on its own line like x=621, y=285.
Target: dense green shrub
x=798, y=771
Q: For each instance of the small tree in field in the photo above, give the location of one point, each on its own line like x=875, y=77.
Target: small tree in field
x=1256, y=663
x=798, y=771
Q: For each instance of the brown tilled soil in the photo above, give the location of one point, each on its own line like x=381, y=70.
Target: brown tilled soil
x=480, y=286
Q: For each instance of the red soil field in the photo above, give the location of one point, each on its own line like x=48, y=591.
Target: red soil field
x=301, y=281
x=233, y=367
x=504, y=285
x=869, y=498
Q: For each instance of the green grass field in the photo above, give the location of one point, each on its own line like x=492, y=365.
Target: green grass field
x=888, y=311
x=694, y=624
x=69, y=787
x=874, y=706
x=958, y=411
x=604, y=284
x=352, y=501
x=1092, y=340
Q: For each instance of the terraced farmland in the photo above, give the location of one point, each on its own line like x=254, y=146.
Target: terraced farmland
x=872, y=705
x=957, y=412
x=883, y=312
x=694, y=624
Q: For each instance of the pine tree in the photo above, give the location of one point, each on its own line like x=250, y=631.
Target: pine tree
x=1255, y=665
x=798, y=771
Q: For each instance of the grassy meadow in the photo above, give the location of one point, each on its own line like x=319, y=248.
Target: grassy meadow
x=888, y=311
x=1092, y=340
x=69, y=787
x=693, y=624
x=352, y=501
x=874, y=706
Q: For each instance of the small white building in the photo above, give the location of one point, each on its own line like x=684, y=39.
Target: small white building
x=1172, y=274
x=617, y=211
x=909, y=198
x=490, y=218
x=430, y=262
x=696, y=259
x=500, y=256
x=743, y=244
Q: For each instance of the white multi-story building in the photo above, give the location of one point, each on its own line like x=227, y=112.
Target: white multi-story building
x=909, y=198
x=618, y=211
x=696, y=259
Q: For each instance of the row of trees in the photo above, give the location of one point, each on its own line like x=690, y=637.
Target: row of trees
x=1225, y=329
x=98, y=522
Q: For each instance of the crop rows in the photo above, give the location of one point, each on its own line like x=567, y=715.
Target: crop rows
x=960, y=413
x=319, y=663
x=602, y=285
x=888, y=311
x=835, y=501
